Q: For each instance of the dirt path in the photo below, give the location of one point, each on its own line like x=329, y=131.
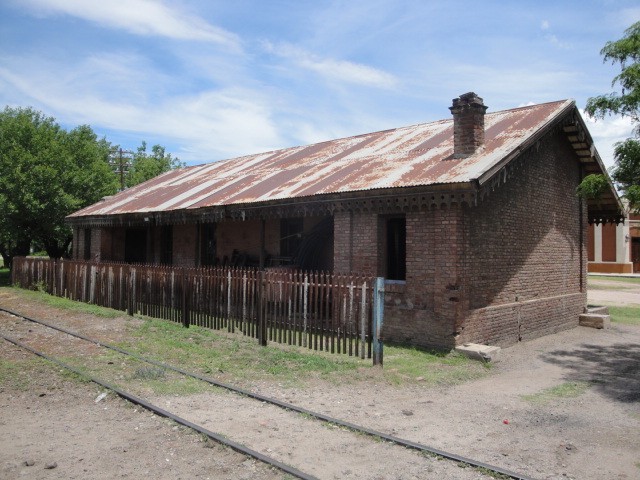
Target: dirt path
x=609, y=292
x=592, y=435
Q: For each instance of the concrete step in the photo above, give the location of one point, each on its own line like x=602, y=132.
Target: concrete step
x=595, y=320
x=597, y=310
x=484, y=353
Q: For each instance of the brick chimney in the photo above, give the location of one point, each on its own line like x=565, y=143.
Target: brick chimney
x=468, y=124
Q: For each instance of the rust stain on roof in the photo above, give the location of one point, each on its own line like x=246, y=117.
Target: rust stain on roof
x=418, y=155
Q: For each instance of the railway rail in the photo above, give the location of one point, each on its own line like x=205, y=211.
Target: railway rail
x=246, y=393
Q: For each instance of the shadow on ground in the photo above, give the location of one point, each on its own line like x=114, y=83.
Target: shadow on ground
x=613, y=370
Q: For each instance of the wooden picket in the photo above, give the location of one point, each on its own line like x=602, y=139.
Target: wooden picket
x=315, y=310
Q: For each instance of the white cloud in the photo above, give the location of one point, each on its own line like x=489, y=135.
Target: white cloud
x=210, y=124
x=554, y=40
x=333, y=69
x=140, y=17
x=545, y=25
x=501, y=87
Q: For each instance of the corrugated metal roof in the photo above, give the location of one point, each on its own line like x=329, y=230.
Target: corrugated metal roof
x=417, y=155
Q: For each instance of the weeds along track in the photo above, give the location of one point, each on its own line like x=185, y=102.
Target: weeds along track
x=75, y=341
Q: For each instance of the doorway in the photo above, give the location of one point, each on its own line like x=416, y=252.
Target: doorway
x=135, y=246
x=635, y=254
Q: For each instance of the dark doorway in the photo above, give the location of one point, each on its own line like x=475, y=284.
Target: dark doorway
x=396, y=248
x=315, y=251
x=135, y=246
x=635, y=254
x=87, y=244
x=166, y=245
x=208, y=244
x=290, y=237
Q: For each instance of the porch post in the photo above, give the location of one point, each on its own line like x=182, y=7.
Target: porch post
x=378, y=319
x=262, y=241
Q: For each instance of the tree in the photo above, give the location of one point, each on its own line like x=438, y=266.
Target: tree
x=626, y=52
x=145, y=166
x=47, y=173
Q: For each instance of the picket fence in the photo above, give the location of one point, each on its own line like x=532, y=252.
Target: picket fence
x=320, y=311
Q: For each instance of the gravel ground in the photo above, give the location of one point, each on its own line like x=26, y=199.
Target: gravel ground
x=592, y=432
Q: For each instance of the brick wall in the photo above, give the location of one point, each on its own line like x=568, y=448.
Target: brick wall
x=356, y=243
x=426, y=310
x=526, y=254
x=185, y=244
x=508, y=269
x=244, y=236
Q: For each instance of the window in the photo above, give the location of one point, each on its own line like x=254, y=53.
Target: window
x=396, y=248
x=166, y=245
x=290, y=236
x=208, y=244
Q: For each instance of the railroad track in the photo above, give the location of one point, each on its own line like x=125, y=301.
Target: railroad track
x=222, y=439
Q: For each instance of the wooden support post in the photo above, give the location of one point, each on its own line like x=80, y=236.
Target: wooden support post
x=378, y=319
x=262, y=323
x=130, y=291
x=185, y=301
x=262, y=243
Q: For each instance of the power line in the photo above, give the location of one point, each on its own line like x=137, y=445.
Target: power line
x=120, y=160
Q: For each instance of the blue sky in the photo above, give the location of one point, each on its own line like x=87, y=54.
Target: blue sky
x=217, y=79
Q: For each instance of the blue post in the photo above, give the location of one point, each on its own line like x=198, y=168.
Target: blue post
x=378, y=319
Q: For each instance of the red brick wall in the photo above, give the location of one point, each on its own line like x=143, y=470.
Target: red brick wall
x=428, y=309
x=185, y=244
x=244, y=236
x=356, y=243
x=526, y=253
x=507, y=269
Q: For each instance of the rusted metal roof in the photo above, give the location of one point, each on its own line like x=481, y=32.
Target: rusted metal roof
x=418, y=155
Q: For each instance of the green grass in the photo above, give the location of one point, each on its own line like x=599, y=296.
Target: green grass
x=620, y=287
x=234, y=355
x=635, y=280
x=564, y=390
x=66, y=304
x=22, y=375
x=629, y=315
x=237, y=358
x=402, y=364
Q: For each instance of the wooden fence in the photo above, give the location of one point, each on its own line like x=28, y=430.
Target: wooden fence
x=320, y=311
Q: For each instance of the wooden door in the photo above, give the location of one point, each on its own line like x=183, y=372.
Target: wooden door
x=635, y=254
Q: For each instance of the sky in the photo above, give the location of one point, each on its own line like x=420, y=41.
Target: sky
x=211, y=80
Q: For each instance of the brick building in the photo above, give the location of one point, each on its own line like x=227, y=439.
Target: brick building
x=614, y=248
x=473, y=221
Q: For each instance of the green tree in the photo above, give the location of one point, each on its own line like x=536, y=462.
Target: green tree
x=47, y=173
x=145, y=166
x=626, y=171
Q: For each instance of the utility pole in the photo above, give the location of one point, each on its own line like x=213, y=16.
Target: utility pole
x=120, y=160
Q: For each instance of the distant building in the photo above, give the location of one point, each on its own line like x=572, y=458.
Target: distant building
x=615, y=248
x=474, y=221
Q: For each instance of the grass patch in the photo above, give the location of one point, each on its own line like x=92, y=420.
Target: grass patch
x=607, y=278
x=621, y=287
x=629, y=315
x=150, y=373
x=239, y=358
x=23, y=375
x=236, y=358
x=403, y=364
x=211, y=352
x=13, y=374
x=66, y=304
x=564, y=390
